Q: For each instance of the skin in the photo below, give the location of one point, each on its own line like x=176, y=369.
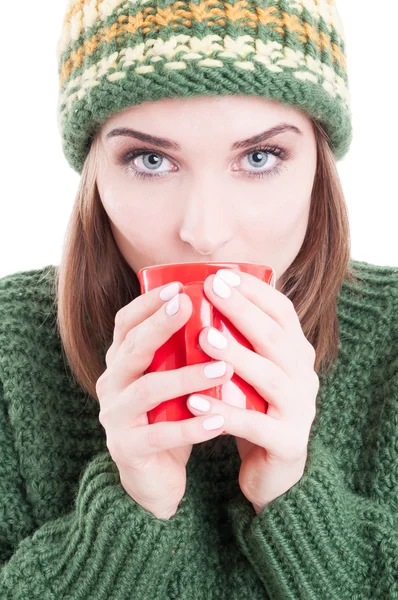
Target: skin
x=207, y=207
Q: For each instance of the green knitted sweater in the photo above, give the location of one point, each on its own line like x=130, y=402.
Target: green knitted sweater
x=68, y=530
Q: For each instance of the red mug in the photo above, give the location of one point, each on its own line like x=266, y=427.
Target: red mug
x=183, y=348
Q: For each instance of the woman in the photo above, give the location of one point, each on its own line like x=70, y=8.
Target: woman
x=155, y=104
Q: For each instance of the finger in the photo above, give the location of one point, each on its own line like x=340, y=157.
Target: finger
x=267, y=337
x=266, y=377
x=263, y=295
x=137, y=350
x=138, y=310
x=280, y=309
x=281, y=438
x=166, y=435
x=153, y=388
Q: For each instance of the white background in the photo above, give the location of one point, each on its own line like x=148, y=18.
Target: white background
x=38, y=187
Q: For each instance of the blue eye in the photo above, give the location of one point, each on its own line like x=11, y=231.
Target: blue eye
x=262, y=158
x=259, y=158
x=151, y=160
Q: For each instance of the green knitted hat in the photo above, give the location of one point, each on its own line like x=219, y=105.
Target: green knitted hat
x=113, y=54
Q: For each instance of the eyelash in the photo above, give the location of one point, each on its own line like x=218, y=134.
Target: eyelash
x=127, y=158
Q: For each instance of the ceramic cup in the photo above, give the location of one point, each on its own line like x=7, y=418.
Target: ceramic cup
x=183, y=348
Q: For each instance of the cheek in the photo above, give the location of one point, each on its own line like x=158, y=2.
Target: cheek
x=274, y=214
x=113, y=194
x=124, y=205
x=134, y=215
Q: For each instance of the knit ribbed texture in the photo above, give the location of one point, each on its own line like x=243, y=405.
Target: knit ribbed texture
x=68, y=529
x=107, y=547
x=113, y=54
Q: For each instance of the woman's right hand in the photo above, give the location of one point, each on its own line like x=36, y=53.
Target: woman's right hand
x=151, y=459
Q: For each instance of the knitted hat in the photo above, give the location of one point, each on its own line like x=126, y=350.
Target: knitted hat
x=113, y=54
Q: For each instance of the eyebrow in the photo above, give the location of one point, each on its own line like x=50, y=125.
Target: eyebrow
x=170, y=145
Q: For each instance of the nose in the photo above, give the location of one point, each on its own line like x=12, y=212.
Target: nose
x=207, y=223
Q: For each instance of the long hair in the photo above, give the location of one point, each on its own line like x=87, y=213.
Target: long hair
x=93, y=280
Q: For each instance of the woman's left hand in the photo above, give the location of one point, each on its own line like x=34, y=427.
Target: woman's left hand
x=272, y=446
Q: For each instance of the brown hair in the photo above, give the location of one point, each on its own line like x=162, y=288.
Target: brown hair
x=94, y=281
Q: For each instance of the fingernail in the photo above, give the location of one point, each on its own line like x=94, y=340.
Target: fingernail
x=213, y=422
x=273, y=280
x=217, y=339
x=215, y=369
x=229, y=277
x=199, y=403
x=168, y=292
x=221, y=288
x=173, y=306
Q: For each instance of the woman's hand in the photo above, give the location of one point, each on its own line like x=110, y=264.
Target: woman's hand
x=151, y=458
x=272, y=446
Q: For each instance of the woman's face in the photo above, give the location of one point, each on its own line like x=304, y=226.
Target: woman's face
x=197, y=193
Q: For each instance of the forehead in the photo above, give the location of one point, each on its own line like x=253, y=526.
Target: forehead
x=200, y=112
x=236, y=122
